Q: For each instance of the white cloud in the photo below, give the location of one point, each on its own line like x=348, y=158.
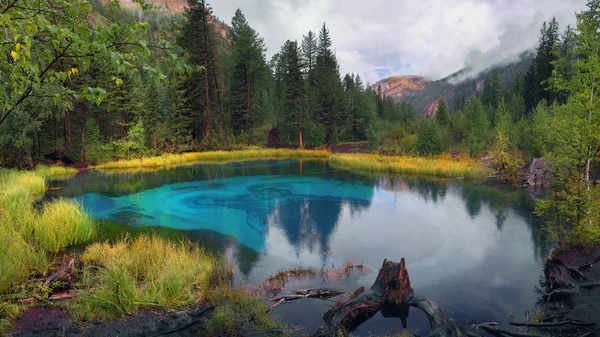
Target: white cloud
x=426, y=37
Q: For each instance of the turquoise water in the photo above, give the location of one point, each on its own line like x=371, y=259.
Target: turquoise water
x=473, y=247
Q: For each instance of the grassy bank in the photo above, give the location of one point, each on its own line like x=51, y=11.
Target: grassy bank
x=30, y=236
x=441, y=166
x=178, y=159
x=150, y=272
x=127, y=275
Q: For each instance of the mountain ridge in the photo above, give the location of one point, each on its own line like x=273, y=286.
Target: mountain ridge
x=426, y=98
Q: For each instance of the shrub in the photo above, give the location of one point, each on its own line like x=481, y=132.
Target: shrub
x=429, y=138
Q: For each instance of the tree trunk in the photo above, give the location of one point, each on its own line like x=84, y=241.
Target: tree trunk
x=299, y=124
x=248, y=109
x=54, y=132
x=589, y=154
x=206, y=100
x=125, y=134
x=154, y=138
x=67, y=131
x=206, y=65
x=83, y=152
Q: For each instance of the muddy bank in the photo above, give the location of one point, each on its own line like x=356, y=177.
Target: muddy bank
x=52, y=322
x=572, y=291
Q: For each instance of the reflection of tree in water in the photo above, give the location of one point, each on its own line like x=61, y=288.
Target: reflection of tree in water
x=500, y=199
x=310, y=220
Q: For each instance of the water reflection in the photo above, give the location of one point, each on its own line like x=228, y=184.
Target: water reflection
x=270, y=215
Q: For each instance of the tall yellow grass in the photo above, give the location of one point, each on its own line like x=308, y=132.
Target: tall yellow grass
x=54, y=171
x=178, y=159
x=441, y=166
x=147, y=271
x=27, y=234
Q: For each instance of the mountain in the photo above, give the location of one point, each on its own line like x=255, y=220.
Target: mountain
x=399, y=87
x=178, y=6
x=426, y=98
x=169, y=5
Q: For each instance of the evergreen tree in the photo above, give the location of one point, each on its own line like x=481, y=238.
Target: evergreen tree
x=575, y=134
x=247, y=76
x=199, y=40
x=293, y=117
x=327, y=87
x=442, y=115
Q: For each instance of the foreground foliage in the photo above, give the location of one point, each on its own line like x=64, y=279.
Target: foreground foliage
x=30, y=235
x=145, y=272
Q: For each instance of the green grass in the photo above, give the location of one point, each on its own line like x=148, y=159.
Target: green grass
x=30, y=234
x=145, y=272
x=237, y=311
x=63, y=223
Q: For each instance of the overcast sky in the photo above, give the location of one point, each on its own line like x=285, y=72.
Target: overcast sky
x=434, y=38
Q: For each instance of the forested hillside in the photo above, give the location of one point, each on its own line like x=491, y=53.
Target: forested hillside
x=112, y=81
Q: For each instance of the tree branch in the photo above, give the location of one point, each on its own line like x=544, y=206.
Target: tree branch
x=29, y=89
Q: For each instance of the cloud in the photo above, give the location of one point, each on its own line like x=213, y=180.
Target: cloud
x=433, y=38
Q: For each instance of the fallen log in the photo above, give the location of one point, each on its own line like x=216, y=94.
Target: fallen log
x=309, y=293
x=550, y=324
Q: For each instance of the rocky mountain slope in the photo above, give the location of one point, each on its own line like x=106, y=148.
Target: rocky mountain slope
x=425, y=95
x=398, y=87
x=170, y=5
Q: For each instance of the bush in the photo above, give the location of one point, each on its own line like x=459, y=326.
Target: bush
x=314, y=135
x=474, y=145
x=429, y=138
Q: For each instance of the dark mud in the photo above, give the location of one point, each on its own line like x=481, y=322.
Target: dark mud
x=584, y=303
x=51, y=322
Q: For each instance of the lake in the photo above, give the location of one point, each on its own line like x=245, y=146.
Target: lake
x=473, y=247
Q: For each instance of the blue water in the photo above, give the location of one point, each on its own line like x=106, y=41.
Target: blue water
x=238, y=206
x=474, y=247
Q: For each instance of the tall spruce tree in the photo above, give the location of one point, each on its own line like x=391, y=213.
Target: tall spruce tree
x=292, y=112
x=328, y=87
x=247, y=75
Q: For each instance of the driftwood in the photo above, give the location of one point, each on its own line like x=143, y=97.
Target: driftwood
x=309, y=293
x=67, y=269
x=60, y=296
x=392, y=295
x=305, y=293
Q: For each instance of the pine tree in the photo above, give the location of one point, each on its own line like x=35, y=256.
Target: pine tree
x=293, y=117
x=247, y=75
x=328, y=87
x=442, y=115
x=199, y=40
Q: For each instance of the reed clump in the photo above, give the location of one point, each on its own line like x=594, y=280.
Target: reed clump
x=54, y=171
x=29, y=233
x=145, y=272
x=440, y=166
